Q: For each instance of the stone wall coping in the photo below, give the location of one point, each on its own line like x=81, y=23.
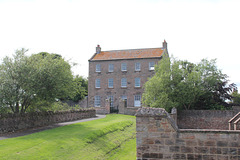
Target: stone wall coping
x=209, y=131
x=147, y=111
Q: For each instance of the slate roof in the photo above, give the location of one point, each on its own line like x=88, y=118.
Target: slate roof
x=129, y=54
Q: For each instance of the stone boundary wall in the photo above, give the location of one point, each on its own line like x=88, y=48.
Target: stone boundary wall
x=101, y=110
x=13, y=122
x=205, y=119
x=130, y=111
x=158, y=137
x=123, y=109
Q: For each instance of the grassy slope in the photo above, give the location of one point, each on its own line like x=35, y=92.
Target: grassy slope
x=110, y=138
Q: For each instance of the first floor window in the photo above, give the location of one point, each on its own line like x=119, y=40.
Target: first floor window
x=98, y=67
x=137, y=101
x=137, y=82
x=111, y=100
x=124, y=82
x=97, y=101
x=151, y=66
x=110, y=83
x=97, y=83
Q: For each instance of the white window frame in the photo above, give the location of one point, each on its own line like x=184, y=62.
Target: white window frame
x=137, y=100
x=110, y=83
x=137, y=82
x=98, y=83
x=98, y=67
x=110, y=67
x=124, y=67
x=151, y=66
x=97, y=101
x=137, y=66
x=124, y=82
x=110, y=97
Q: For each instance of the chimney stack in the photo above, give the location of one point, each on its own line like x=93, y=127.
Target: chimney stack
x=164, y=44
x=98, y=49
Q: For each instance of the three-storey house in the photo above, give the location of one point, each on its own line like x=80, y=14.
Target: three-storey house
x=120, y=74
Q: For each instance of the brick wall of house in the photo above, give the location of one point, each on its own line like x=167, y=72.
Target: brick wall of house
x=117, y=91
x=13, y=122
x=205, y=119
x=158, y=137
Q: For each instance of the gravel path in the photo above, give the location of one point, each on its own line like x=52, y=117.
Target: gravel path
x=39, y=129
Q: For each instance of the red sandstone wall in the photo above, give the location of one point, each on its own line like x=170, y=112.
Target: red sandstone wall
x=205, y=119
x=159, y=138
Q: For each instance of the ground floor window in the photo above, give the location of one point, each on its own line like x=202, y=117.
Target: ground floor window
x=137, y=82
x=97, y=101
x=137, y=101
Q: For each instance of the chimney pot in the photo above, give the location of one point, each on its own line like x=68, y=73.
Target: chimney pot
x=98, y=49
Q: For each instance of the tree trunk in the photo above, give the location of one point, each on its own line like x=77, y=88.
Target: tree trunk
x=17, y=108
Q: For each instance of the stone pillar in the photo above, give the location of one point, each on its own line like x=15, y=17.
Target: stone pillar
x=155, y=128
x=107, y=106
x=121, y=106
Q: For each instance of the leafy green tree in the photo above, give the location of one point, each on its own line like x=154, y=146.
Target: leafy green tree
x=186, y=85
x=28, y=81
x=236, y=97
x=81, y=88
x=157, y=89
x=216, y=90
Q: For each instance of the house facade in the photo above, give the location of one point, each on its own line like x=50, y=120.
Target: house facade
x=120, y=75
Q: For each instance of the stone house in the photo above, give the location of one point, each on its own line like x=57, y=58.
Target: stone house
x=120, y=74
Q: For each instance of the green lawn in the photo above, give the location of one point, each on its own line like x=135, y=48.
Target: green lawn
x=113, y=137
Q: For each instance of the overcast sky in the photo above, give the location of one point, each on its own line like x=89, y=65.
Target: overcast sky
x=193, y=29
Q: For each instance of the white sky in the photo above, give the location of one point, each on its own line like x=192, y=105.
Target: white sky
x=194, y=29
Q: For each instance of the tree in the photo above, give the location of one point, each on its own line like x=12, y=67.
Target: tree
x=26, y=81
x=186, y=85
x=81, y=88
x=214, y=84
x=236, y=97
x=157, y=88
